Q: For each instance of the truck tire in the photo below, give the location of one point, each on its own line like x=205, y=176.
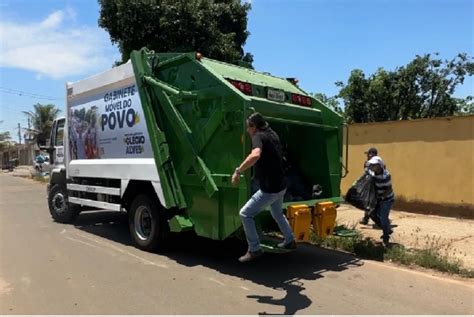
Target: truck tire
x=59, y=207
x=148, y=225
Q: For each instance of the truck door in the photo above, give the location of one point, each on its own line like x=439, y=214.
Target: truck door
x=57, y=144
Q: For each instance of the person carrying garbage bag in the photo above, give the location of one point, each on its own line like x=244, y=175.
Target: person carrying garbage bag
x=362, y=193
x=382, y=181
x=367, y=212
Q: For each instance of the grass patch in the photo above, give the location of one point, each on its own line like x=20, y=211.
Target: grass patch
x=431, y=258
x=432, y=255
x=41, y=178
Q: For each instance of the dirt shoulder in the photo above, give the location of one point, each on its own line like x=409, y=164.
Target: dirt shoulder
x=453, y=236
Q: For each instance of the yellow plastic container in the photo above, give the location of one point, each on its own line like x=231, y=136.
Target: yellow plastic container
x=324, y=218
x=299, y=217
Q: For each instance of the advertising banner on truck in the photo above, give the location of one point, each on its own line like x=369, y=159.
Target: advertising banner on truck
x=109, y=124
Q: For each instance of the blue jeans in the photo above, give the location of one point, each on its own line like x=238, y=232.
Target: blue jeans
x=254, y=206
x=383, y=211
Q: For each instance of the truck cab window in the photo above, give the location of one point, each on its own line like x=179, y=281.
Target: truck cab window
x=60, y=133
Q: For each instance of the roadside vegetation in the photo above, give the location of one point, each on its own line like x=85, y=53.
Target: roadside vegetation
x=41, y=178
x=431, y=254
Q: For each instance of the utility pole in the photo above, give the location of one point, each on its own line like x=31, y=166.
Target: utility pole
x=29, y=129
x=19, y=133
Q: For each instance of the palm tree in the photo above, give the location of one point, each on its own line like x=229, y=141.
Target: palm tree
x=42, y=118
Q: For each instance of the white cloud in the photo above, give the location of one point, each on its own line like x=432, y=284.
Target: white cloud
x=55, y=47
x=53, y=20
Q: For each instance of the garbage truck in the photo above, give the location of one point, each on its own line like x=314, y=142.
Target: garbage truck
x=160, y=136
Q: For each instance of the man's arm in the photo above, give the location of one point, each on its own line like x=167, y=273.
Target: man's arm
x=249, y=161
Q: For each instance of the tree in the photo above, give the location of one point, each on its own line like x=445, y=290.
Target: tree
x=354, y=95
x=331, y=102
x=4, y=136
x=42, y=118
x=424, y=88
x=4, y=140
x=216, y=28
x=466, y=106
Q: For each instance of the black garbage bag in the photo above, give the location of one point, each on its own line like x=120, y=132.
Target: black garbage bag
x=363, y=194
x=298, y=189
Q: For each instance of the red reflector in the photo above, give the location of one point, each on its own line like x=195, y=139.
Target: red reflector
x=246, y=88
x=300, y=100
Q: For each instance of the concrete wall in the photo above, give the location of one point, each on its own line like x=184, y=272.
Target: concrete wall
x=431, y=162
x=25, y=153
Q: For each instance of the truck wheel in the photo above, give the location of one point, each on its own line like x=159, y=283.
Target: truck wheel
x=147, y=223
x=59, y=207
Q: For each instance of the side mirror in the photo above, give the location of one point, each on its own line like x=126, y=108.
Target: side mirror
x=48, y=149
x=42, y=141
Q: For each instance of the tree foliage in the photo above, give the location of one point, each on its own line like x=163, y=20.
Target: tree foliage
x=4, y=140
x=465, y=106
x=216, y=28
x=423, y=88
x=331, y=102
x=5, y=136
x=42, y=118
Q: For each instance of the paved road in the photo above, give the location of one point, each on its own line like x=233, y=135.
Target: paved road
x=91, y=268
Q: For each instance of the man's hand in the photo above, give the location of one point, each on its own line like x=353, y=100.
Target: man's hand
x=235, y=179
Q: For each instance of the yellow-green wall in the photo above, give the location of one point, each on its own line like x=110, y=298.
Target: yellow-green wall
x=431, y=161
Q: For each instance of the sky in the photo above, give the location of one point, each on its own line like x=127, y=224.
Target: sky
x=44, y=44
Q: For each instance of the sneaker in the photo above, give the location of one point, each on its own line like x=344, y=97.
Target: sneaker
x=289, y=246
x=386, y=243
x=250, y=256
x=364, y=221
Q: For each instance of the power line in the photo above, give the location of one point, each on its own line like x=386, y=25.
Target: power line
x=12, y=107
x=18, y=107
x=26, y=93
x=23, y=93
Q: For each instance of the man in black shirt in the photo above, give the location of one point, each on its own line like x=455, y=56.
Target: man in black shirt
x=267, y=156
